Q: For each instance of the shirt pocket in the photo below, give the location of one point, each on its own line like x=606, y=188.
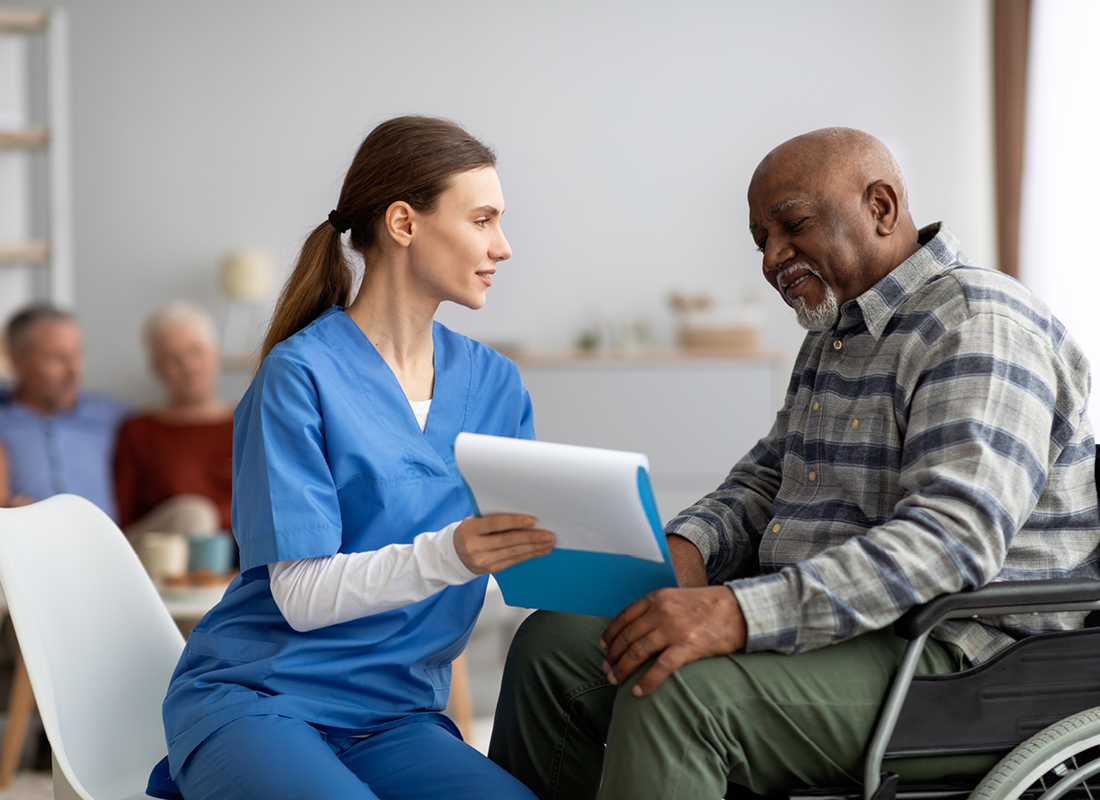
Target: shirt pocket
x=249, y=658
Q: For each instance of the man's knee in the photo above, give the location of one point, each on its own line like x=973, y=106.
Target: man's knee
x=552, y=646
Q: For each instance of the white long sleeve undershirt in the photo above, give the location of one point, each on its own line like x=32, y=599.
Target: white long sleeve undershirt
x=315, y=592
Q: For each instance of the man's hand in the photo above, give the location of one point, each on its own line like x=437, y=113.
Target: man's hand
x=687, y=561
x=17, y=500
x=677, y=626
x=497, y=541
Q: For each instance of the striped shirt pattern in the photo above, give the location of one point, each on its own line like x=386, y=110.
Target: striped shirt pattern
x=934, y=441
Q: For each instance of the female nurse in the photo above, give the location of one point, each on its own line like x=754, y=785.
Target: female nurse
x=325, y=669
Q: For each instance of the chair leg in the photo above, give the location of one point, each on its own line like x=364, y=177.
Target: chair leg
x=462, y=701
x=20, y=706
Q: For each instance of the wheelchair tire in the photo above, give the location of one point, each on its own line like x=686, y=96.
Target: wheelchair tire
x=1054, y=763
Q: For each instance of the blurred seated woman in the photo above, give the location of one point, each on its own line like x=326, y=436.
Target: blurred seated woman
x=174, y=464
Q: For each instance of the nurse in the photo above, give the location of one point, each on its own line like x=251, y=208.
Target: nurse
x=325, y=669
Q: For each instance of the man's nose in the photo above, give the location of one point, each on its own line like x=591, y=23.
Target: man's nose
x=776, y=254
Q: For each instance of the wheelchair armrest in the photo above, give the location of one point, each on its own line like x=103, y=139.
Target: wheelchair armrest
x=1003, y=597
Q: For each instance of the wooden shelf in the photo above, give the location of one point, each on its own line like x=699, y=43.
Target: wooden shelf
x=27, y=137
x=12, y=253
x=613, y=358
x=23, y=20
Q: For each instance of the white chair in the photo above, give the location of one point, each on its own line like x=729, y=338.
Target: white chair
x=99, y=645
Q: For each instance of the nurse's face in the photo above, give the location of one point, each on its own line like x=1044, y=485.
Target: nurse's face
x=456, y=248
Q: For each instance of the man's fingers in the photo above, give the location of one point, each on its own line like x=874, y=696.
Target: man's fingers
x=624, y=618
x=639, y=651
x=670, y=660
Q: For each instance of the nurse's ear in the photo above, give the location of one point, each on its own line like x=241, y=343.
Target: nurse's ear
x=400, y=222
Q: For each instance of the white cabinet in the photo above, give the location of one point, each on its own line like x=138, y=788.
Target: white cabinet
x=694, y=416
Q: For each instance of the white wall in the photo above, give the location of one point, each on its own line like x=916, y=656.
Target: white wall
x=626, y=135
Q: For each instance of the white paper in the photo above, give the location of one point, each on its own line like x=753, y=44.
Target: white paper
x=588, y=497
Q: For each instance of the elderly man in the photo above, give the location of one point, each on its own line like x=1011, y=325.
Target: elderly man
x=57, y=439
x=933, y=439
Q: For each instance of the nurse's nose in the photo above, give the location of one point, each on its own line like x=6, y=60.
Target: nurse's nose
x=500, y=250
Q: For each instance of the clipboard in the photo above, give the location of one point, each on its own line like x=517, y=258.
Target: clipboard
x=611, y=548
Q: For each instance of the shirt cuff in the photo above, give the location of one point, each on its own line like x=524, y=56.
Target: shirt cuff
x=771, y=614
x=704, y=539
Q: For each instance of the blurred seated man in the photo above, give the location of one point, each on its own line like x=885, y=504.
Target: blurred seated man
x=174, y=463
x=57, y=438
x=934, y=438
x=7, y=499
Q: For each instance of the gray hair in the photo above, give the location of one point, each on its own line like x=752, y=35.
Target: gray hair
x=175, y=315
x=21, y=325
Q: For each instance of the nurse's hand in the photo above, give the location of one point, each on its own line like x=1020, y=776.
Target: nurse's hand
x=497, y=541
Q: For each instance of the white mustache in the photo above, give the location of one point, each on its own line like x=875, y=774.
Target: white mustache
x=786, y=271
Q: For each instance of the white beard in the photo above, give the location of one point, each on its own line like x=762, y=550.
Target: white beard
x=822, y=317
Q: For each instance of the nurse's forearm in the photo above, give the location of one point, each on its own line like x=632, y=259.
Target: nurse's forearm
x=316, y=592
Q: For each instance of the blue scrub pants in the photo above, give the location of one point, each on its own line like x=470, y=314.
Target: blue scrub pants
x=269, y=758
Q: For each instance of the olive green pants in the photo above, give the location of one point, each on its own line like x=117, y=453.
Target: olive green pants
x=764, y=721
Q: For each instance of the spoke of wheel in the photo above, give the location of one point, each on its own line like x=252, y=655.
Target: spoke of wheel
x=1074, y=778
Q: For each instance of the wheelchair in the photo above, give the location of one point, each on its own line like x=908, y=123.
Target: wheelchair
x=1038, y=702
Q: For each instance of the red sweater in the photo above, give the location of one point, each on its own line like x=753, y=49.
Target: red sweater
x=155, y=461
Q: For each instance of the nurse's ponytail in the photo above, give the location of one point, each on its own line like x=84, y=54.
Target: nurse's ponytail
x=410, y=159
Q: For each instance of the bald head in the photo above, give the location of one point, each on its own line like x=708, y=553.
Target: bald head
x=847, y=153
x=829, y=212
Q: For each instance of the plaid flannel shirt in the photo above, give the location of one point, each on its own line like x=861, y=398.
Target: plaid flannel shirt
x=935, y=441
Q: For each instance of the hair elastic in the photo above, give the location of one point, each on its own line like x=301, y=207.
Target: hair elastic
x=338, y=221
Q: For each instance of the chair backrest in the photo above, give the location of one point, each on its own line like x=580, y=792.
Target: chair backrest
x=99, y=645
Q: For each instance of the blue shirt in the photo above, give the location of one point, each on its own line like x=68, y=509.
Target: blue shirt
x=329, y=458
x=936, y=440
x=64, y=451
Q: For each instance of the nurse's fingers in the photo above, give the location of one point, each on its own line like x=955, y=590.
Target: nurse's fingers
x=489, y=544
x=511, y=548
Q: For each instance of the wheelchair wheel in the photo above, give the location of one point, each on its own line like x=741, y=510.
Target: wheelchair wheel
x=1060, y=761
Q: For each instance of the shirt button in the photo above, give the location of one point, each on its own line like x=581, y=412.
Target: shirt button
x=813, y=476
x=776, y=527
x=817, y=405
x=855, y=424
x=837, y=344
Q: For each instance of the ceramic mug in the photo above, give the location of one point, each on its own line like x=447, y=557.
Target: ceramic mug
x=212, y=552
x=164, y=555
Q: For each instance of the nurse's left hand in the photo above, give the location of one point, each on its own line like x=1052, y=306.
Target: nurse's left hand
x=497, y=541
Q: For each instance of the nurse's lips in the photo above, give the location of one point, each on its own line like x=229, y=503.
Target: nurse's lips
x=487, y=276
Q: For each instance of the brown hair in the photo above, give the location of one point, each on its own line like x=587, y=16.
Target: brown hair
x=406, y=158
x=18, y=333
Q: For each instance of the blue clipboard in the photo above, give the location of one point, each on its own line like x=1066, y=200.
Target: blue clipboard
x=582, y=582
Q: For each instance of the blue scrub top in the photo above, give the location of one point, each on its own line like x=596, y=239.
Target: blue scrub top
x=328, y=458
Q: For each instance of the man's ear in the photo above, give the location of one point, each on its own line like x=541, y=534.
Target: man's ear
x=398, y=223
x=883, y=200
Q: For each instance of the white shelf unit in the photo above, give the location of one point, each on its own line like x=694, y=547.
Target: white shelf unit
x=694, y=415
x=36, y=236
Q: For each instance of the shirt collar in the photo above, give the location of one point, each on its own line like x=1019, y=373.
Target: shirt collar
x=940, y=251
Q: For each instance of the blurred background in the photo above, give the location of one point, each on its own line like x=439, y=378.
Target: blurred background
x=626, y=136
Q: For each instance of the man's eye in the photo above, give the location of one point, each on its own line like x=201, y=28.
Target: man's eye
x=795, y=224
x=760, y=245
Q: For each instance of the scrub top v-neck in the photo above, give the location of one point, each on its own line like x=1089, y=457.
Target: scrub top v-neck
x=328, y=457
